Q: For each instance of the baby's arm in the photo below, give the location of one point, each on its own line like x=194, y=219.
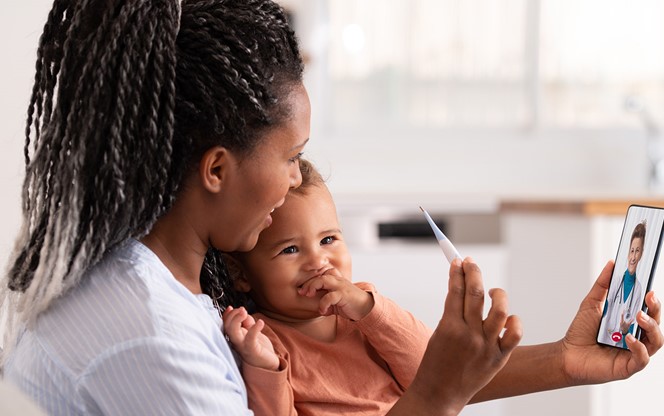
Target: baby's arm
x=343, y=298
x=247, y=339
x=265, y=374
x=397, y=336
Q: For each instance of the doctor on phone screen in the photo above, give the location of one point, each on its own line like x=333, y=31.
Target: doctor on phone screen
x=624, y=300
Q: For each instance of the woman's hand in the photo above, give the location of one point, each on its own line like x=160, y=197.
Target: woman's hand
x=245, y=334
x=586, y=362
x=465, y=350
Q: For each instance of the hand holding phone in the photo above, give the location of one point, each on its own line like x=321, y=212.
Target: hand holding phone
x=632, y=276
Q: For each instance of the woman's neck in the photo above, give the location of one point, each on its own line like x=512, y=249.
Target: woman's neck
x=181, y=251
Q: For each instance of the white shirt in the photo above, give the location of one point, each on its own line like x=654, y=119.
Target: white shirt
x=130, y=339
x=617, y=307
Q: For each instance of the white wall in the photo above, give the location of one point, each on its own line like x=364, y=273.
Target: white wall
x=487, y=163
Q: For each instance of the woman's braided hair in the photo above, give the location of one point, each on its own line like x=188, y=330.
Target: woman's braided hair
x=128, y=95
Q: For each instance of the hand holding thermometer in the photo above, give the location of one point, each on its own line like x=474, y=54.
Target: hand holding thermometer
x=448, y=249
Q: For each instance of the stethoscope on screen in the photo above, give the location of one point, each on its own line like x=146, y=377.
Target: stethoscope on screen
x=621, y=292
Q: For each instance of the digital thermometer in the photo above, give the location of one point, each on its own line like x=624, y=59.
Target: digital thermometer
x=448, y=249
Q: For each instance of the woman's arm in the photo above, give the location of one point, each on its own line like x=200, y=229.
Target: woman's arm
x=159, y=375
x=577, y=359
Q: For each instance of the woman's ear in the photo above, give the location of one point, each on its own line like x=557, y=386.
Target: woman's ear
x=237, y=274
x=213, y=168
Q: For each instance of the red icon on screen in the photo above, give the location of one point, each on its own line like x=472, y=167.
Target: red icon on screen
x=616, y=336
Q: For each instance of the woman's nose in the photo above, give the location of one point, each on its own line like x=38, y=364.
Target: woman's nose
x=296, y=176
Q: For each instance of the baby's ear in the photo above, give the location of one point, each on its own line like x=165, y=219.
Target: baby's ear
x=242, y=285
x=237, y=274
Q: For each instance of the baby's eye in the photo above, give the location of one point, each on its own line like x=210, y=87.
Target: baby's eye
x=289, y=250
x=327, y=240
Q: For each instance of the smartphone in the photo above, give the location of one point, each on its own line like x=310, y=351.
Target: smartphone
x=633, y=273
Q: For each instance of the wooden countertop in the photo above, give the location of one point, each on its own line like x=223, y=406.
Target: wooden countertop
x=589, y=207
x=404, y=203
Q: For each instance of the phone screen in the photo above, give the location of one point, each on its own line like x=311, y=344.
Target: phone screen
x=638, y=253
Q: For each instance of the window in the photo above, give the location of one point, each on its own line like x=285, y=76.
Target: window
x=490, y=63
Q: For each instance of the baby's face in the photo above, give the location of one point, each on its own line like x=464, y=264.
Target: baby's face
x=303, y=242
x=634, y=256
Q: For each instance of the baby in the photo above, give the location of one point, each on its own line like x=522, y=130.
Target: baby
x=338, y=347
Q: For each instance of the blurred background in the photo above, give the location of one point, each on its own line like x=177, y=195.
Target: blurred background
x=525, y=127
x=474, y=96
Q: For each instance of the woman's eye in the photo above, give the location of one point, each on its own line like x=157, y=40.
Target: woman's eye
x=289, y=250
x=296, y=157
x=327, y=240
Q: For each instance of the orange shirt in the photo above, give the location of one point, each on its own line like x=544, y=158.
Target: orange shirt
x=363, y=371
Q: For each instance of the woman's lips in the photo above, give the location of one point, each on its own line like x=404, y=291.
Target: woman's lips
x=268, y=219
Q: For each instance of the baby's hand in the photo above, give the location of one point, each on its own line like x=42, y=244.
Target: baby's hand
x=343, y=298
x=248, y=340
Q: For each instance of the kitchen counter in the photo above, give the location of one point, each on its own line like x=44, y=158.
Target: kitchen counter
x=587, y=207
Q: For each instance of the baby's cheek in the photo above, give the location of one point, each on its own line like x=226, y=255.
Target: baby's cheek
x=347, y=267
x=347, y=273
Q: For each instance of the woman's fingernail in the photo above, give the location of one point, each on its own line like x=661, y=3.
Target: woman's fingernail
x=654, y=298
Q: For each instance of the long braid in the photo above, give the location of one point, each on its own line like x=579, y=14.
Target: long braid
x=108, y=140
x=89, y=146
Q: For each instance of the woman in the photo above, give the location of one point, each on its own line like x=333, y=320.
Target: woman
x=156, y=134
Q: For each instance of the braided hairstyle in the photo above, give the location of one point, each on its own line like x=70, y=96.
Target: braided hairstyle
x=128, y=95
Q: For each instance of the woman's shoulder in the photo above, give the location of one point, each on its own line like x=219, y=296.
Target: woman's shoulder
x=127, y=298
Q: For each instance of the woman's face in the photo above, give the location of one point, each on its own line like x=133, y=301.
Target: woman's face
x=257, y=184
x=634, y=256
